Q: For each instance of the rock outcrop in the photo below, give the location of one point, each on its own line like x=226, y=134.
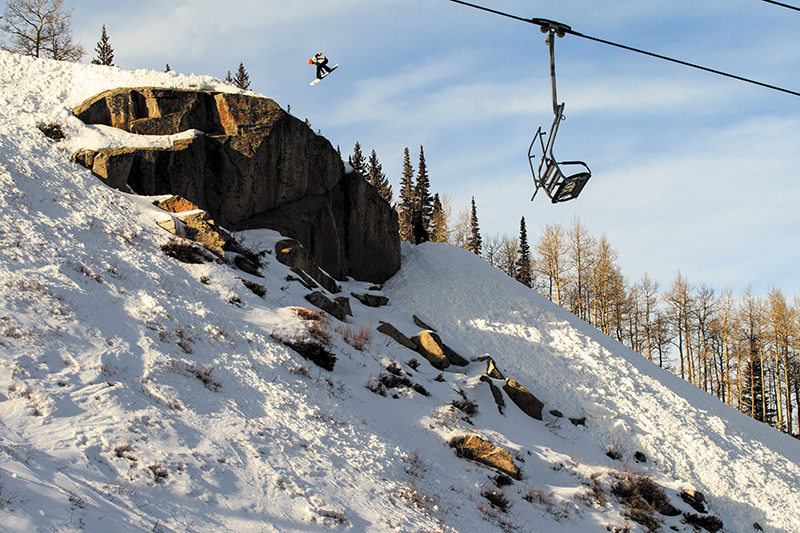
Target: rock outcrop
x=250, y=165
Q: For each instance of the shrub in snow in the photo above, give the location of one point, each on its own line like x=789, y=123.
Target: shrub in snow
x=184, y=251
x=256, y=288
x=710, y=523
x=642, y=498
x=311, y=349
x=52, y=131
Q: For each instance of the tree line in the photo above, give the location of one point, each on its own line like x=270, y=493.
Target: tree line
x=744, y=349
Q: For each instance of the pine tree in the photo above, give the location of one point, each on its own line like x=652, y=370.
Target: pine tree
x=228, y=77
x=423, y=200
x=406, y=207
x=168, y=69
x=241, y=79
x=438, y=221
x=105, y=54
x=524, y=269
x=357, y=160
x=378, y=178
x=474, y=238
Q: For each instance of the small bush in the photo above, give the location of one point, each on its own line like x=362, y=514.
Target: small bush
x=256, y=288
x=360, y=339
x=413, y=364
x=159, y=472
x=5, y=496
x=498, y=498
x=338, y=517
x=375, y=385
x=125, y=451
x=184, y=251
x=468, y=407
x=307, y=313
x=642, y=498
x=302, y=371
x=710, y=523
x=502, y=480
x=203, y=373
x=395, y=369
x=52, y=131
x=310, y=349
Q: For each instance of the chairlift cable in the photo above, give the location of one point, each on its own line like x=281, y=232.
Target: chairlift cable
x=547, y=25
x=787, y=6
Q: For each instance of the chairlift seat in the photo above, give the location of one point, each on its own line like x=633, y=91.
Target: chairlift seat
x=549, y=174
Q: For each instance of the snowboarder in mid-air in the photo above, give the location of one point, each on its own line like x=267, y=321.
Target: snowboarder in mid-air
x=322, y=67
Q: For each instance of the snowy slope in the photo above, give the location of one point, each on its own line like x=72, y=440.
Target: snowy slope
x=138, y=393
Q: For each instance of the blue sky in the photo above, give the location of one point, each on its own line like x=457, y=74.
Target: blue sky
x=691, y=171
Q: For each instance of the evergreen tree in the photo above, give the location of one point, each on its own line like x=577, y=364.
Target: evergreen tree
x=407, y=190
x=105, y=54
x=357, y=160
x=228, y=77
x=168, y=69
x=524, y=267
x=474, y=238
x=378, y=178
x=423, y=202
x=241, y=79
x=438, y=221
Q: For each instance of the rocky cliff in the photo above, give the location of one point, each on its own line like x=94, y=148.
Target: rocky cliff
x=251, y=165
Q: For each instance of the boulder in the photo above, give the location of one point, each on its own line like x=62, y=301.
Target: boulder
x=429, y=346
x=496, y=393
x=335, y=309
x=578, y=421
x=695, y=499
x=391, y=331
x=294, y=255
x=491, y=368
x=430, y=341
x=418, y=321
x=344, y=303
x=476, y=449
x=192, y=223
x=370, y=299
x=251, y=165
x=556, y=413
x=524, y=399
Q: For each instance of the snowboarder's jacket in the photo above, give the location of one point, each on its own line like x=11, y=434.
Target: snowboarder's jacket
x=320, y=59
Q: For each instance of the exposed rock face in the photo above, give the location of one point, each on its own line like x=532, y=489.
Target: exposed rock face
x=253, y=166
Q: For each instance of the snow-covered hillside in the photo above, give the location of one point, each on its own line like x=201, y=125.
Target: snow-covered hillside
x=139, y=393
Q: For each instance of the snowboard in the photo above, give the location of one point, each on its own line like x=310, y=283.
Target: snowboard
x=316, y=81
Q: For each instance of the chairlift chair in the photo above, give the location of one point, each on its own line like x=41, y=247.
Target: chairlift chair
x=561, y=181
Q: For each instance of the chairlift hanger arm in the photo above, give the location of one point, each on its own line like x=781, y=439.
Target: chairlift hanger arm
x=549, y=25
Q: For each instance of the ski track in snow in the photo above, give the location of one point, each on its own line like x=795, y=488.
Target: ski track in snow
x=104, y=424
